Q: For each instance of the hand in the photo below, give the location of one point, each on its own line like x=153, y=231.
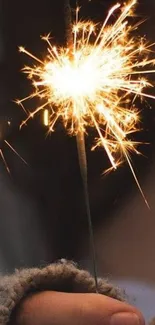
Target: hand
x=58, y=308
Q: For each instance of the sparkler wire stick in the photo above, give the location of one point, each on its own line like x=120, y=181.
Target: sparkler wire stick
x=94, y=81
x=80, y=139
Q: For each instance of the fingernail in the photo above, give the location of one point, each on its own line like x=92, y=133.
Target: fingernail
x=125, y=319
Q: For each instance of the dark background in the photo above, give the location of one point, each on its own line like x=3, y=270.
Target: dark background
x=42, y=210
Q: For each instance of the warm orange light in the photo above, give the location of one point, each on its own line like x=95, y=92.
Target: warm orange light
x=96, y=82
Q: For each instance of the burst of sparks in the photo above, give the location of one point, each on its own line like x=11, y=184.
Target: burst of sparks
x=95, y=83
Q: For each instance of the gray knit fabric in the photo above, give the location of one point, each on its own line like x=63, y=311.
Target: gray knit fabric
x=61, y=276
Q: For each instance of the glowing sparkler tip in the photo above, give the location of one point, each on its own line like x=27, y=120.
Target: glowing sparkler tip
x=96, y=83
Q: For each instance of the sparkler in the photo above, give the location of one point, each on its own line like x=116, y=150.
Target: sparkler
x=94, y=82
x=80, y=140
x=80, y=137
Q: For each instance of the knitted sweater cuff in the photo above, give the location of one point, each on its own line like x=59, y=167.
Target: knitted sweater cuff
x=61, y=276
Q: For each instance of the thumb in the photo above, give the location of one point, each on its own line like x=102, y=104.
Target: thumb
x=58, y=308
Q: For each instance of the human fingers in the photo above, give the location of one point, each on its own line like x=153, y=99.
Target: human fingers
x=59, y=308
